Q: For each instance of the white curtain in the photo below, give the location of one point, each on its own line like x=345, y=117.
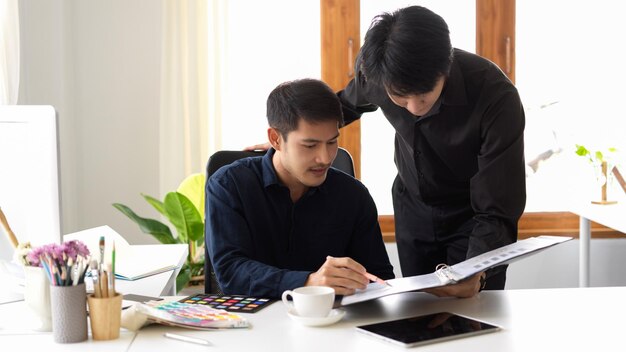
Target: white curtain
x=189, y=120
x=9, y=52
x=217, y=68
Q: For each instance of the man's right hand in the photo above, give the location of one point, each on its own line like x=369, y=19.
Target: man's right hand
x=263, y=146
x=343, y=274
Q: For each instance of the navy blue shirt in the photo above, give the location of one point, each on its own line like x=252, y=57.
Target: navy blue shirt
x=261, y=243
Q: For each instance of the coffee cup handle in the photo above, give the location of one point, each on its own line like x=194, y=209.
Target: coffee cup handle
x=285, y=300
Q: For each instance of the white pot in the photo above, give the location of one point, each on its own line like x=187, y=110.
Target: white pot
x=37, y=295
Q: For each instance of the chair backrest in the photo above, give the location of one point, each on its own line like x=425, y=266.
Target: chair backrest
x=342, y=162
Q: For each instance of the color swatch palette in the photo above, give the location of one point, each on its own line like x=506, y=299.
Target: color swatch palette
x=191, y=315
x=232, y=303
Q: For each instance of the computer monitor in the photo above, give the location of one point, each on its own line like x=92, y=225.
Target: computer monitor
x=29, y=176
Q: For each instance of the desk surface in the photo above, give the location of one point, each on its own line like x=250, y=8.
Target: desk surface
x=540, y=320
x=609, y=215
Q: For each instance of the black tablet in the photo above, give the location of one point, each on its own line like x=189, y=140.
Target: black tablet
x=425, y=329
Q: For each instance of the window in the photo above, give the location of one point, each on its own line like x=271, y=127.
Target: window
x=268, y=42
x=570, y=78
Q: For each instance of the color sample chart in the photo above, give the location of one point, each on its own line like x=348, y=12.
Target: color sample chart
x=191, y=315
x=232, y=303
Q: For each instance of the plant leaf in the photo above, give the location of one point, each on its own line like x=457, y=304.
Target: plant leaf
x=150, y=226
x=581, y=150
x=184, y=216
x=599, y=156
x=156, y=204
x=192, y=187
x=183, y=278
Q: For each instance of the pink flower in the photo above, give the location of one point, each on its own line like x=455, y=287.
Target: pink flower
x=60, y=254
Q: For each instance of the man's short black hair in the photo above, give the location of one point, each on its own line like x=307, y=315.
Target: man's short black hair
x=308, y=99
x=407, y=51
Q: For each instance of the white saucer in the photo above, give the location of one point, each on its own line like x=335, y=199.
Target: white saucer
x=334, y=316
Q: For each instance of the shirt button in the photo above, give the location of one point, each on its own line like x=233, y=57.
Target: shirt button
x=417, y=152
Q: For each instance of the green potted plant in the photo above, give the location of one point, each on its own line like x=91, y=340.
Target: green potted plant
x=599, y=161
x=184, y=208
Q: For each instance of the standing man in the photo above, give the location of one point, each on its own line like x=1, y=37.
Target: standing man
x=459, y=121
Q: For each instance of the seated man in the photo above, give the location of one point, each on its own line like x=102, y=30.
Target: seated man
x=288, y=219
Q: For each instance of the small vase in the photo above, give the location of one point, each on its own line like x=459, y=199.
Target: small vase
x=37, y=296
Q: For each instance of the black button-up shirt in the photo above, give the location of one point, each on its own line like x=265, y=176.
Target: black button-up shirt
x=468, y=150
x=261, y=243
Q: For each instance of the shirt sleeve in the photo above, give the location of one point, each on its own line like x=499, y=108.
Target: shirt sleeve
x=231, y=248
x=367, y=246
x=498, y=190
x=354, y=101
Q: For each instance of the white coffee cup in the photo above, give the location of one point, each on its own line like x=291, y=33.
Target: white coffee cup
x=311, y=301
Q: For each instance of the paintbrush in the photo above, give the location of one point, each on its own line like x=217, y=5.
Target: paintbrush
x=101, y=244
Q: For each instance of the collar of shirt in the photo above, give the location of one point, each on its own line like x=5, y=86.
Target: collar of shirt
x=454, y=91
x=270, y=177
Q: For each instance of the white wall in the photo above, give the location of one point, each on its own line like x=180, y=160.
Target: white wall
x=98, y=64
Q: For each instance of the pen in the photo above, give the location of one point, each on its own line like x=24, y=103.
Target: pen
x=187, y=339
x=375, y=278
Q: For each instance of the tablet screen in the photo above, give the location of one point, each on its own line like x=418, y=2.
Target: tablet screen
x=426, y=329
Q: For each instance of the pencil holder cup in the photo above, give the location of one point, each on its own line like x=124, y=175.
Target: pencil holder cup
x=69, y=313
x=105, y=315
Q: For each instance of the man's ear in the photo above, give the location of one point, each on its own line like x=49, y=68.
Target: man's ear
x=274, y=138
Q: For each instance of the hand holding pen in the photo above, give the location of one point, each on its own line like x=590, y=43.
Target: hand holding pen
x=345, y=275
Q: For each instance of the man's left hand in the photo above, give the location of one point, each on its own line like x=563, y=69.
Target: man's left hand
x=464, y=289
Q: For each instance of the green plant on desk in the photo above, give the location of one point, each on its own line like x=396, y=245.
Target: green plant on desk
x=184, y=208
x=594, y=157
x=599, y=160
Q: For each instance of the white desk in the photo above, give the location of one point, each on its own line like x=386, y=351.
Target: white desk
x=571, y=319
x=611, y=215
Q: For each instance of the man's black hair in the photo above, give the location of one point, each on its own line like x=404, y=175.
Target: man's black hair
x=407, y=51
x=308, y=99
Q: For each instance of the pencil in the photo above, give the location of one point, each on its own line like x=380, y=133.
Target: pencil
x=111, y=282
x=7, y=229
x=113, y=260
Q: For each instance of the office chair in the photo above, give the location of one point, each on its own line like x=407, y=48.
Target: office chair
x=342, y=162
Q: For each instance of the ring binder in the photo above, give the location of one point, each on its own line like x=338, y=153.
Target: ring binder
x=447, y=275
